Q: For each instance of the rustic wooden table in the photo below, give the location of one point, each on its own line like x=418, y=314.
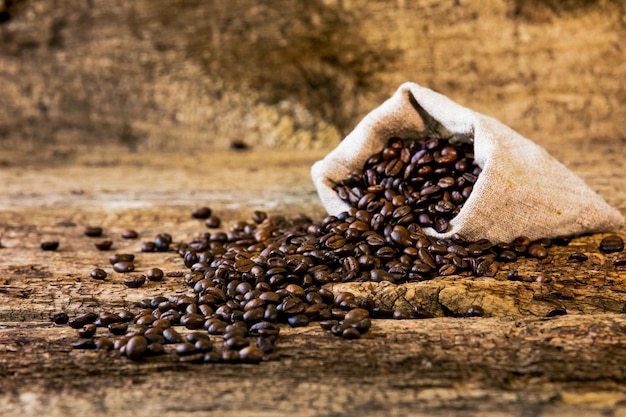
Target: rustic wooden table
x=513, y=361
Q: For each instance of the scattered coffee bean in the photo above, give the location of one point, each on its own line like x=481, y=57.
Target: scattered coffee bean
x=98, y=274
x=121, y=257
x=50, y=245
x=553, y=312
x=103, y=245
x=129, y=234
x=136, y=347
x=620, y=262
x=87, y=331
x=154, y=274
x=133, y=281
x=60, y=318
x=612, y=243
x=474, y=311
x=213, y=222
x=93, y=231
x=578, y=256
x=123, y=266
x=201, y=213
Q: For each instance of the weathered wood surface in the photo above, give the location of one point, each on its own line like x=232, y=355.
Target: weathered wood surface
x=515, y=361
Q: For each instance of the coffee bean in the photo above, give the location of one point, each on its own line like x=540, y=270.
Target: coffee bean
x=154, y=274
x=129, y=234
x=118, y=328
x=103, y=245
x=213, y=222
x=201, y=213
x=87, y=331
x=124, y=266
x=82, y=319
x=299, y=320
x=251, y=354
x=537, y=251
x=136, y=348
x=98, y=274
x=121, y=257
x=620, y=262
x=132, y=281
x=50, y=245
x=474, y=311
x=148, y=247
x=553, y=312
x=577, y=256
x=93, y=231
x=60, y=318
x=612, y=243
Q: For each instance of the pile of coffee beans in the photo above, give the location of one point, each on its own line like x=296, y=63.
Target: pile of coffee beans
x=422, y=182
x=271, y=271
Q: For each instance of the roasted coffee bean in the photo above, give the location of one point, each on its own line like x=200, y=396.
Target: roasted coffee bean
x=577, y=256
x=154, y=274
x=121, y=257
x=553, y=312
x=620, y=262
x=50, y=245
x=60, y=318
x=148, y=247
x=612, y=243
x=133, y=281
x=130, y=234
x=474, y=311
x=124, y=266
x=82, y=319
x=103, y=244
x=201, y=213
x=136, y=347
x=213, y=222
x=98, y=274
x=299, y=320
x=93, y=231
x=192, y=321
x=118, y=328
x=537, y=251
x=87, y=331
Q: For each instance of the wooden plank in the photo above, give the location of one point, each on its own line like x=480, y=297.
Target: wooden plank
x=513, y=362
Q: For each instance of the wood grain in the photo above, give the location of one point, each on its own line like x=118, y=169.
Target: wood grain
x=514, y=361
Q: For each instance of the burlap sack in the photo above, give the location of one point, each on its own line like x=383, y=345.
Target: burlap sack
x=522, y=190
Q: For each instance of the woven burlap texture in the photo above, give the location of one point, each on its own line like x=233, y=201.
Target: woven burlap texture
x=522, y=190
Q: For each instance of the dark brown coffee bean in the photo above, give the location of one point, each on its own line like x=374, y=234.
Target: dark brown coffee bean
x=172, y=336
x=84, y=344
x=124, y=266
x=474, y=311
x=537, y=251
x=578, y=256
x=299, y=320
x=192, y=321
x=103, y=343
x=87, y=331
x=129, y=234
x=620, y=262
x=553, y=312
x=103, y=245
x=133, y=281
x=121, y=257
x=251, y=354
x=82, y=319
x=148, y=247
x=154, y=274
x=351, y=333
x=60, y=318
x=98, y=274
x=612, y=243
x=213, y=222
x=93, y=231
x=201, y=213
x=136, y=348
x=118, y=328
x=50, y=245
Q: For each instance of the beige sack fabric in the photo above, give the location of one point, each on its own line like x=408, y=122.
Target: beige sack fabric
x=522, y=190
